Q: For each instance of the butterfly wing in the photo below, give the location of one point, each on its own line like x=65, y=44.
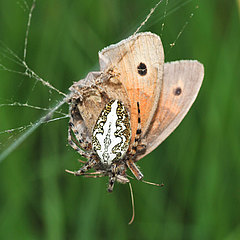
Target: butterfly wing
x=181, y=83
x=136, y=59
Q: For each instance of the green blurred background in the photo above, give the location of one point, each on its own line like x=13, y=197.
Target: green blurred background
x=199, y=163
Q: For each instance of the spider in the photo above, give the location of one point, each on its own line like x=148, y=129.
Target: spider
x=109, y=150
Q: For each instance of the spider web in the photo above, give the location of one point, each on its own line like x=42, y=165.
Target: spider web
x=12, y=63
x=11, y=138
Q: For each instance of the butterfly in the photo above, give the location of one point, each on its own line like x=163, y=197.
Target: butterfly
x=123, y=112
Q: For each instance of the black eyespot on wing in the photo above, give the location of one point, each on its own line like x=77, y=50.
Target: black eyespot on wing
x=142, y=69
x=177, y=91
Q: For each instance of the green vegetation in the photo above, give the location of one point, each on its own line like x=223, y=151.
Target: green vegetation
x=199, y=163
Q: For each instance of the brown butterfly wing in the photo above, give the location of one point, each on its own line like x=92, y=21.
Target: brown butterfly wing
x=181, y=83
x=129, y=58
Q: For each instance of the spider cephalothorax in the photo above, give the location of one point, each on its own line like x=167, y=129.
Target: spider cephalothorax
x=110, y=144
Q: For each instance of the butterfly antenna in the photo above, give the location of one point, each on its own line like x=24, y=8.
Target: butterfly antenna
x=132, y=200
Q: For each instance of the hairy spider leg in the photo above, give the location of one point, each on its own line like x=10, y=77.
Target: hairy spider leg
x=112, y=177
x=95, y=174
x=83, y=142
x=132, y=154
x=92, y=159
x=88, y=165
x=138, y=134
x=76, y=147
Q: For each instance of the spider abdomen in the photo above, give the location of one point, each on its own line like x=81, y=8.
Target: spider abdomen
x=112, y=133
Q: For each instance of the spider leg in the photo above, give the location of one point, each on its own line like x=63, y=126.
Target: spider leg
x=81, y=161
x=133, y=150
x=112, y=177
x=88, y=165
x=75, y=147
x=132, y=154
x=78, y=127
x=96, y=174
x=112, y=180
x=134, y=169
x=142, y=146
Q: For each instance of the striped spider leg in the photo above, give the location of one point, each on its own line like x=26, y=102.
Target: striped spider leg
x=77, y=126
x=82, y=142
x=134, y=149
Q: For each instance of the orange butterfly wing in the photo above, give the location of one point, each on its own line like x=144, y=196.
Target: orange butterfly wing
x=181, y=83
x=139, y=61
